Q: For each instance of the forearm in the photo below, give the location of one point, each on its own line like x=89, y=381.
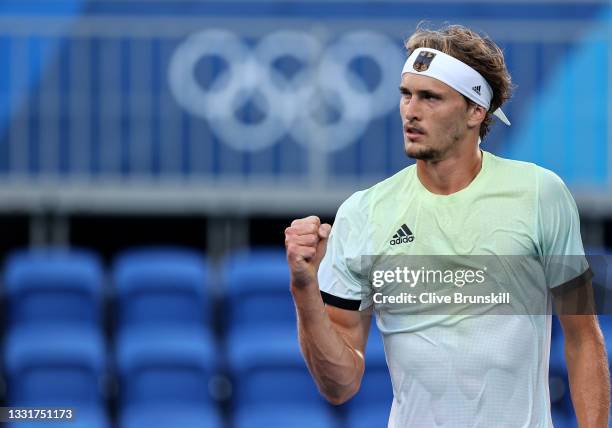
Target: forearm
x=336, y=367
x=589, y=380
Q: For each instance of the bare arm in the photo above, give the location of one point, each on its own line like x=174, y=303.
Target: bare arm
x=332, y=339
x=587, y=362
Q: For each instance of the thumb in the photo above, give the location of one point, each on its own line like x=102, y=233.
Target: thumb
x=324, y=231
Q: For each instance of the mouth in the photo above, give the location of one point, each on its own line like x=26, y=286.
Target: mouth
x=413, y=131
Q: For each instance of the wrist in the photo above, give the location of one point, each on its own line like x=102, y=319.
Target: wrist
x=305, y=294
x=307, y=298
x=300, y=281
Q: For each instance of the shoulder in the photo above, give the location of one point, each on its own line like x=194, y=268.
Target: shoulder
x=553, y=193
x=516, y=169
x=541, y=185
x=525, y=174
x=549, y=182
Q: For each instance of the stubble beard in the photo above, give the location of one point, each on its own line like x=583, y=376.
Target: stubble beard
x=422, y=153
x=428, y=153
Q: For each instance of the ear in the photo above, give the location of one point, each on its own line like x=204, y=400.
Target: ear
x=476, y=115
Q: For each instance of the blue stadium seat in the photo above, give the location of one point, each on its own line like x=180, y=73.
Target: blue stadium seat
x=555, y=327
x=161, y=285
x=375, y=415
x=257, y=288
x=371, y=405
x=376, y=386
x=267, y=365
x=263, y=350
x=558, y=380
x=85, y=417
x=54, y=351
x=262, y=343
x=165, y=349
x=171, y=417
x=562, y=418
x=274, y=416
x=54, y=285
x=557, y=364
x=164, y=379
x=45, y=368
x=165, y=365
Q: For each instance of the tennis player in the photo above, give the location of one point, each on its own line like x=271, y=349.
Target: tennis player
x=449, y=370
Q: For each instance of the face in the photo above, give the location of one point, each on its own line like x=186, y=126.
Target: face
x=434, y=117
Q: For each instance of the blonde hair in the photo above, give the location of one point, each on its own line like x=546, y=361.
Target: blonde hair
x=479, y=52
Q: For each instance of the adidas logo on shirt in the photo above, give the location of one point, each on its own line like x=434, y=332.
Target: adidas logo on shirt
x=403, y=236
x=476, y=89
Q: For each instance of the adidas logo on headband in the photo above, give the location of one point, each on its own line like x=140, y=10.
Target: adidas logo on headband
x=476, y=89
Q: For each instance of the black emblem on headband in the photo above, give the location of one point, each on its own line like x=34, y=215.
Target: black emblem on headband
x=423, y=60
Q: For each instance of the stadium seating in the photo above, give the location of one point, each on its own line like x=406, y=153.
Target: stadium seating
x=171, y=365
x=557, y=359
x=166, y=352
x=263, y=352
x=164, y=377
x=54, y=285
x=165, y=349
x=562, y=418
x=161, y=285
x=267, y=365
x=257, y=287
x=46, y=367
x=371, y=405
x=54, y=350
x=171, y=415
x=295, y=416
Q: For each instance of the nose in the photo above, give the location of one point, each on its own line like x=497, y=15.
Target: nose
x=410, y=109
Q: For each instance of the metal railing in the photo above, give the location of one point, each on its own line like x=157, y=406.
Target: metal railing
x=266, y=113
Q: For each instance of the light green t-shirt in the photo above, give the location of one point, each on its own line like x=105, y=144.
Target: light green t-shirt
x=464, y=365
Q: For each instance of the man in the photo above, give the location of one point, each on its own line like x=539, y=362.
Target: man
x=449, y=370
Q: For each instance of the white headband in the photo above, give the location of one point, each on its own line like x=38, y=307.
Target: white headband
x=456, y=74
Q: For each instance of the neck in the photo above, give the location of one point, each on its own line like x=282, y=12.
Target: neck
x=451, y=174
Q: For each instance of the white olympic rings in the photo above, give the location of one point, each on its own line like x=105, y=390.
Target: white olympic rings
x=289, y=104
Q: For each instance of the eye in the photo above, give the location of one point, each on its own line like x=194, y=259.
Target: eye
x=404, y=92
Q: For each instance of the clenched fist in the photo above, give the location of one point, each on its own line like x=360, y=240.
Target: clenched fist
x=305, y=240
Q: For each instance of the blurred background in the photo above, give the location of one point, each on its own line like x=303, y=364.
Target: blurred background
x=153, y=151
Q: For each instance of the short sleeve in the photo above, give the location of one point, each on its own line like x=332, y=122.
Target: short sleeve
x=559, y=237
x=341, y=280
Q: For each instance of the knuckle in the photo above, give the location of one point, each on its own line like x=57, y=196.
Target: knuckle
x=313, y=220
